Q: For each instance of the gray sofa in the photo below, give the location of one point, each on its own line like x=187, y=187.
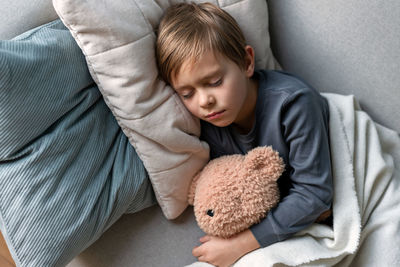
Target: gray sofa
x=346, y=47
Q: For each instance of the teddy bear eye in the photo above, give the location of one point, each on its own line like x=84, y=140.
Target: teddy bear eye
x=210, y=213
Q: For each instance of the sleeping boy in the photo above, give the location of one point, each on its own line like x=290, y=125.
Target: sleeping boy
x=203, y=55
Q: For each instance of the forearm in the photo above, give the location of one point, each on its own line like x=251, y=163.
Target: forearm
x=246, y=242
x=293, y=214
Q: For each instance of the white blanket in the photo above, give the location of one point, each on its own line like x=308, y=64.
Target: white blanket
x=366, y=205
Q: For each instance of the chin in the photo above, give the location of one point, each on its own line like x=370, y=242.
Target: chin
x=220, y=123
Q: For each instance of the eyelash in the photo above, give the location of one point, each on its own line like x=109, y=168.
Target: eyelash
x=217, y=83
x=187, y=96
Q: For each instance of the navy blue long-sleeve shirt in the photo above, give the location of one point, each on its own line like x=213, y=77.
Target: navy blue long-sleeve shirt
x=293, y=118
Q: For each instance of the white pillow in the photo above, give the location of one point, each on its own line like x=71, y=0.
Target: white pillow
x=117, y=38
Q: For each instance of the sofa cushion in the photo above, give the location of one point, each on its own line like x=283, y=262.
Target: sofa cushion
x=67, y=172
x=117, y=37
x=344, y=47
x=18, y=16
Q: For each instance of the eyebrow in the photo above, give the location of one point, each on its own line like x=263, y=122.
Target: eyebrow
x=206, y=77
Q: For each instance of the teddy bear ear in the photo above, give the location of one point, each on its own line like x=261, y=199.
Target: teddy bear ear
x=192, y=188
x=267, y=159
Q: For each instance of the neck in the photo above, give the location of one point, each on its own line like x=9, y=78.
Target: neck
x=245, y=122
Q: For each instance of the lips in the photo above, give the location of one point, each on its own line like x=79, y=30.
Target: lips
x=215, y=115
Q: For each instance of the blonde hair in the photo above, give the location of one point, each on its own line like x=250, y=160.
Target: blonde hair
x=186, y=31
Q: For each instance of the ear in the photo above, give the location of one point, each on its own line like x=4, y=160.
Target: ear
x=192, y=188
x=250, y=61
x=266, y=159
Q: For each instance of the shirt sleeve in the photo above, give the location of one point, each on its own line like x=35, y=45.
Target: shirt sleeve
x=304, y=124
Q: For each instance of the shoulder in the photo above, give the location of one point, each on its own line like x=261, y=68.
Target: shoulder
x=278, y=80
x=286, y=89
x=273, y=81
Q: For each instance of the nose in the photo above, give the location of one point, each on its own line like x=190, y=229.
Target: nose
x=206, y=100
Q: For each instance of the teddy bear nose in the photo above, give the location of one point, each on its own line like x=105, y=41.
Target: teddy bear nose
x=210, y=213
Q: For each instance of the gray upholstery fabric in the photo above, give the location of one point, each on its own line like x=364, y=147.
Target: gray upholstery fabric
x=348, y=47
x=18, y=16
x=345, y=47
x=144, y=239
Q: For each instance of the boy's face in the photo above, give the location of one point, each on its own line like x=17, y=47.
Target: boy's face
x=216, y=89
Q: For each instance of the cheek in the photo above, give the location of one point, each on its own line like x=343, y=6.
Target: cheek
x=191, y=106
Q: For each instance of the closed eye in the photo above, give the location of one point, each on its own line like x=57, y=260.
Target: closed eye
x=217, y=83
x=187, y=94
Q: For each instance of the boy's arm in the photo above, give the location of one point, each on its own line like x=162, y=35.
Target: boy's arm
x=224, y=252
x=305, y=129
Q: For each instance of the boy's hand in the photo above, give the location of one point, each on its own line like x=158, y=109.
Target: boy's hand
x=224, y=252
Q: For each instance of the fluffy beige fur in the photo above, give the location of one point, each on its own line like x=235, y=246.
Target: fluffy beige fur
x=233, y=192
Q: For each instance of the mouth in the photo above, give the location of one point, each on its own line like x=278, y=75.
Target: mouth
x=215, y=115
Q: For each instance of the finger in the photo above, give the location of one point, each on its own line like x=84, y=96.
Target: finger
x=196, y=252
x=205, y=238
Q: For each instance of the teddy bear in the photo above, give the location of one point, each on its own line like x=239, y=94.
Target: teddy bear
x=233, y=192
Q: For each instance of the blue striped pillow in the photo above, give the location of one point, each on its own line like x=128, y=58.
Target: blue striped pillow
x=67, y=172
